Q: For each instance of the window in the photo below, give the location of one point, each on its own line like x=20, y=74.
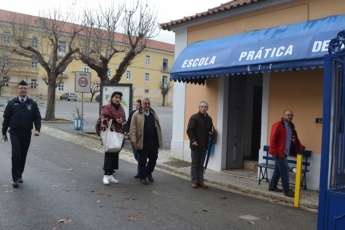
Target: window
x=109, y=73
x=61, y=86
x=129, y=75
x=34, y=63
x=34, y=42
x=165, y=82
x=165, y=65
x=5, y=81
x=4, y=62
x=147, y=60
x=6, y=38
x=61, y=47
x=33, y=83
x=86, y=69
x=147, y=91
x=147, y=76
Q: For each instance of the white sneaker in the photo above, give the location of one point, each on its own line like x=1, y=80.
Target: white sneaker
x=113, y=180
x=106, y=180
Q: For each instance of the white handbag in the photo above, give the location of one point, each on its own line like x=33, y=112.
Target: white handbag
x=112, y=141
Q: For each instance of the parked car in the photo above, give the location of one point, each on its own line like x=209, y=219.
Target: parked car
x=69, y=97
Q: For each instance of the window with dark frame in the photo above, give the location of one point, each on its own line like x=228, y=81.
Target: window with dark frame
x=34, y=63
x=34, y=42
x=33, y=84
x=147, y=76
x=61, y=86
x=165, y=65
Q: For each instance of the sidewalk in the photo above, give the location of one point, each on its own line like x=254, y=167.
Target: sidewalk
x=236, y=181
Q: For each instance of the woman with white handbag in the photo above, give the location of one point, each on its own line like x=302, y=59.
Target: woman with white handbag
x=110, y=127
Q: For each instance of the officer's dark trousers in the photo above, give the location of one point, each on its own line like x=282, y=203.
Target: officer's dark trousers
x=20, y=141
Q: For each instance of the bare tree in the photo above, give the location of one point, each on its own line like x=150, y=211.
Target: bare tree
x=94, y=89
x=165, y=88
x=56, y=50
x=101, y=41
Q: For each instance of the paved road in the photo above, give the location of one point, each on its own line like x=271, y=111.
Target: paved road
x=65, y=110
x=62, y=190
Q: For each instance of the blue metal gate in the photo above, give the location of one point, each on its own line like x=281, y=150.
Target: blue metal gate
x=332, y=179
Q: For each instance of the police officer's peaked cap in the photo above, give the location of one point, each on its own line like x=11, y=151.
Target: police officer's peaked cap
x=22, y=82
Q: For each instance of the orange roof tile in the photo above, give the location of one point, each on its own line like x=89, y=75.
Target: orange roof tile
x=222, y=8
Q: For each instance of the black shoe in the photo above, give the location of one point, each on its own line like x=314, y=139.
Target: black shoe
x=15, y=184
x=144, y=181
x=289, y=193
x=136, y=176
x=150, y=178
x=275, y=190
x=20, y=180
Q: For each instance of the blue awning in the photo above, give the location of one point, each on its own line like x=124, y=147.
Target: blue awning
x=288, y=47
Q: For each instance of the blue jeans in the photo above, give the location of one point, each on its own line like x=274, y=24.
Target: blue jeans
x=280, y=170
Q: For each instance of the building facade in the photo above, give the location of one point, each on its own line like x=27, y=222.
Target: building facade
x=146, y=72
x=245, y=103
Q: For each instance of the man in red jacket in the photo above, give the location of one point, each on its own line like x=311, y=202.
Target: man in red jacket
x=283, y=142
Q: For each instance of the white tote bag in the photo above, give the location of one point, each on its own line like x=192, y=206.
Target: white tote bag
x=112, y=141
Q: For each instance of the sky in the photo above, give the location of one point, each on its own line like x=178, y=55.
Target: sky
x=165, y=10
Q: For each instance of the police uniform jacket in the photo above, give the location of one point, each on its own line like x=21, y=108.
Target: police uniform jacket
x=21, y=116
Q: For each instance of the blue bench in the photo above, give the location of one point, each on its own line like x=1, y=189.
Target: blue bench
x=269, y=163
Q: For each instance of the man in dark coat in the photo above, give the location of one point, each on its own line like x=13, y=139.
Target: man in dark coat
x=20, y=114
x=146, y=137
x=200, y=129
x=283, y=142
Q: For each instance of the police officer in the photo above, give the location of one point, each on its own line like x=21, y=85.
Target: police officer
x=19, y=116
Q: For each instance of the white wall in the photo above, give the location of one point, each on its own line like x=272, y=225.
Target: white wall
x=177, y=142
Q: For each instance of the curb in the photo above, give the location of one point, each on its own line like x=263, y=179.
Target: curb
x=92, y=142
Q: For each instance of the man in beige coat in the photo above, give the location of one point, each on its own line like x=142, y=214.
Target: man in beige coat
x=146, y=137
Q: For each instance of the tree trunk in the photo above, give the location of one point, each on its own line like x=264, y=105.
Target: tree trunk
x=163, y=102
x=50, y=110
x=92, y=95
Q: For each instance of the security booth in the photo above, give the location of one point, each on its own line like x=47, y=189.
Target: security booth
x=332, y=178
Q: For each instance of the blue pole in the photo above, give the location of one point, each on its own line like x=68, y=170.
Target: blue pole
x=324, y=171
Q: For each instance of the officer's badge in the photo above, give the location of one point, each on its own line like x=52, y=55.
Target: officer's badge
x=29, y=107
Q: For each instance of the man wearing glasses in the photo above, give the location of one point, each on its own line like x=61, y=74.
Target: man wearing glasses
x=200, y=129
x=20, y=114
x=283, y=142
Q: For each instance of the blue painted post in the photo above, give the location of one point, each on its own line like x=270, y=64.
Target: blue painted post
x=324, y=171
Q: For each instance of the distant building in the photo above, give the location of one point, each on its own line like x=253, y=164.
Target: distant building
x=146, y=72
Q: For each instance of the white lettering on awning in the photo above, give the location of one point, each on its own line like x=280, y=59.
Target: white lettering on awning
x=198, y=62
x=265, y=53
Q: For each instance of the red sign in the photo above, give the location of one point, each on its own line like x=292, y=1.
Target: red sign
x=83, y=81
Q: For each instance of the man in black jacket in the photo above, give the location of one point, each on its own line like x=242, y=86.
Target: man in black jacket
x=19, y=116
x=200, y=128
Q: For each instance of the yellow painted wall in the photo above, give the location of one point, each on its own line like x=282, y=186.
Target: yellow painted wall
x=197, y=93
x=302, y=92
x=294, y=12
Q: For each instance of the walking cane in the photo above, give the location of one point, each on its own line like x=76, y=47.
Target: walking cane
x=209, y=151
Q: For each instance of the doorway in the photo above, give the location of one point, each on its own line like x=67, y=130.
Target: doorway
x=244, y=121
